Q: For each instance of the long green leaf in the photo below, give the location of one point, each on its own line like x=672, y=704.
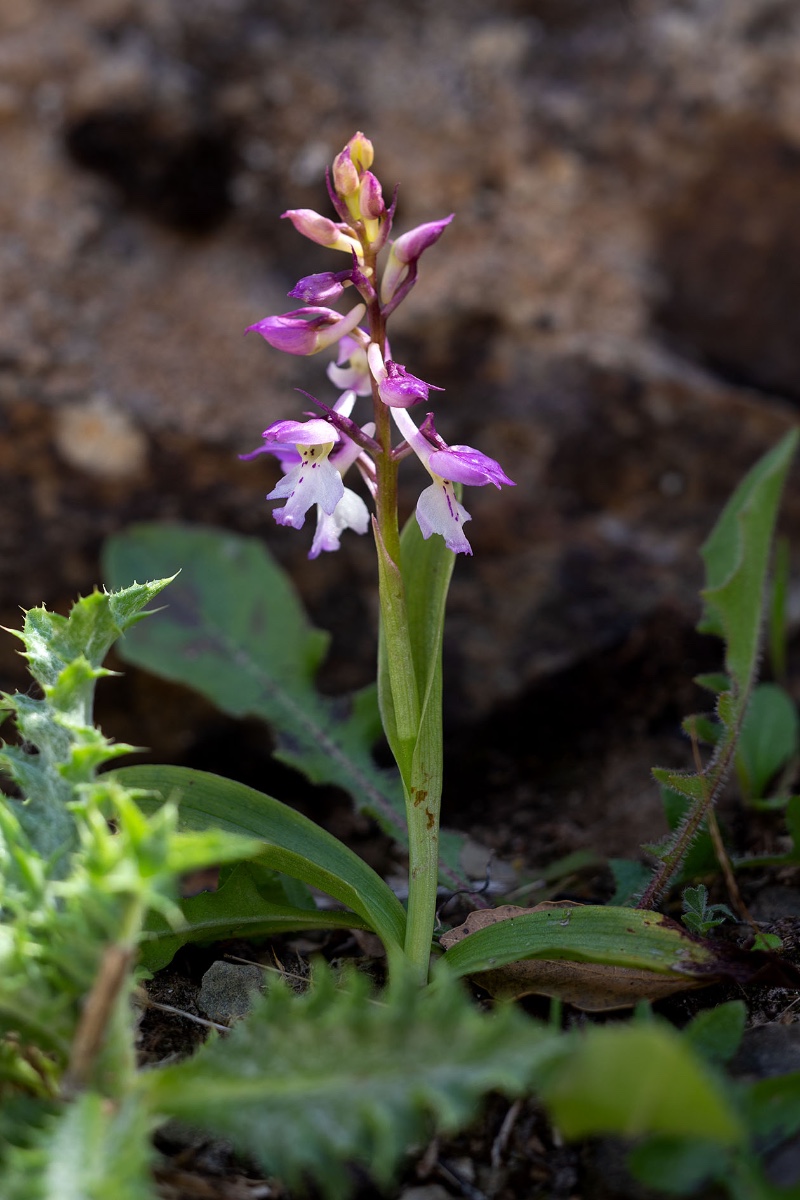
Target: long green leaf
x=620, y=937
x=238, y=909
x=293, y=843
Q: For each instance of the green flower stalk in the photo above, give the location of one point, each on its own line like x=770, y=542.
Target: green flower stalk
x=316, y=454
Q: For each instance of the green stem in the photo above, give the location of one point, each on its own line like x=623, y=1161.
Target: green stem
x=413, y=586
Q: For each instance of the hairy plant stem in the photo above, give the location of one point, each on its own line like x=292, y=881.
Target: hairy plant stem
x=713, y=779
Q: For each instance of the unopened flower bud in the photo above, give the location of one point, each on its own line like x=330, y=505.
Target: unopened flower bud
x=371, y=197
x=345, y=174
x=361, y=152
x=406, y=250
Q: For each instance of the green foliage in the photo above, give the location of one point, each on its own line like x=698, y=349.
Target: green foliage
x=630, y=879
x=698, y=914
x=289, y=842
x=61, y=750
x=701, y=858
x=637, y=1079
x=90, y=1150
x=621, y=937
x=769, y=739
x=736, y=559
x=235, y=630
x=251, y=901
x=307, y=1085
x=716, y=1033
x=413, y=600
x=72, y=914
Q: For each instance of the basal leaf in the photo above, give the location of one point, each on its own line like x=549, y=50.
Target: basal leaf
x=238, y=909
x=293, y=844
x=622, y=937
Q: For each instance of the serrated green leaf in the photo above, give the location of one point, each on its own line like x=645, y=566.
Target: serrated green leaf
x=293, y=844
x=91, y=1150
x=234, y=629
x=737, y=556
x=715, y=1033
x=768, y=739
x=714, y=682
x=60, y=749
x=622, y=937
x=638, y=1079
x=309, y=1084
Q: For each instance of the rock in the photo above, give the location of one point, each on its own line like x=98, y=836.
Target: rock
x=227, y=990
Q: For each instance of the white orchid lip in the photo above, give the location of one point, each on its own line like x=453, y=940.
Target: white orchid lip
x=438, y=508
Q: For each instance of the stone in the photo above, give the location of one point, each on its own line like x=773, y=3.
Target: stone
x=226, y=991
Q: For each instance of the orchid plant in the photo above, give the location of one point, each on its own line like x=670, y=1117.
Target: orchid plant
x=315, y=454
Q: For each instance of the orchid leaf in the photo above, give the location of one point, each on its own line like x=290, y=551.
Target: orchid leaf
x=293, y=844
x=736, y=557
x=249, y=903
x=491, y=939
x=427, y=567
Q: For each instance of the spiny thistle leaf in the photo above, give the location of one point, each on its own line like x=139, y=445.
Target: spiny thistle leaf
x=61, y=749
x=309, y=1085
x=89, y=1150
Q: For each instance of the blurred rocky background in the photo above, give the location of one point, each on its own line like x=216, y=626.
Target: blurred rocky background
x=613, y=312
